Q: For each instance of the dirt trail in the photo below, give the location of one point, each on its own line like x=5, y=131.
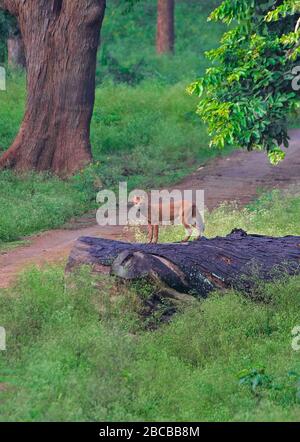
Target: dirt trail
x=233, y=178
x=240, y=175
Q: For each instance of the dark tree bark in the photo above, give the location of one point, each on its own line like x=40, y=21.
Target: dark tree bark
x=16, y=52
x=197, y=267
x=61, y=39
x=165, y=26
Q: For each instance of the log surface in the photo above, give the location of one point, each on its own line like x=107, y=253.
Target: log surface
x=197, y=267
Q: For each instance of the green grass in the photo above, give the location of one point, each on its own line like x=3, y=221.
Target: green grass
x=8, y=246
x=12, y=103
x=294, y=121
x=81, y=351
x=148, y=135
x=82, y=355
x=36, y=202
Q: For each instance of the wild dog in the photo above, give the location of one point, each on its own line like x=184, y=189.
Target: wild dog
x=183, y=211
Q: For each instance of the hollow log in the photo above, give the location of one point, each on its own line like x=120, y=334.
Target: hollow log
x=197, y=267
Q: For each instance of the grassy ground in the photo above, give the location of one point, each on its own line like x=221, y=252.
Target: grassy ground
x=83, y=352
x=36, y=202
x=148, y=136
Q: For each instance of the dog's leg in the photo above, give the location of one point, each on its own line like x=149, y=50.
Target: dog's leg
x=188, y=230
x=150, y=233
x=198, y=230
x=199, y=234
x=156, y=230
x=200, y=226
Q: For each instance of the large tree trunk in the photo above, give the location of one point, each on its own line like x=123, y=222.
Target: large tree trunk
x=197, y=267
x=165, y=26
x=16, y=52
x=61, y=39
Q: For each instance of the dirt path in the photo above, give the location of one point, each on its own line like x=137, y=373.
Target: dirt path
x=233, y=178
x=240, y=175
x=47, y=247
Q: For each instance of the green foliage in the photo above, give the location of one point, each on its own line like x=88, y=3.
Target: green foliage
x=287, y=7
x=254, y=378
x=247, y=95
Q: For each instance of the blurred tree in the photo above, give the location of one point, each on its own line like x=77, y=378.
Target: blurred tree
x=61, y=39
x=165, y=37
x=7, y=24
x=11, y=43
x=15, y=48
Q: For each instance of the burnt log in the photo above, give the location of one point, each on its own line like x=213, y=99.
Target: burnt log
x=195, y=268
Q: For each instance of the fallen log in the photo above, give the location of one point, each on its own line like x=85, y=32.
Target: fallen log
x=195, y=268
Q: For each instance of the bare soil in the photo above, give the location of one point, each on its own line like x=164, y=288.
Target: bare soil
x=237, y=177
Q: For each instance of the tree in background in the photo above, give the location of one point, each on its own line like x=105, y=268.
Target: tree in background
x=61, y=39
x=7, y=22
x=15, y=49
x=165, y=37
x=247, y=96
x=11, y=44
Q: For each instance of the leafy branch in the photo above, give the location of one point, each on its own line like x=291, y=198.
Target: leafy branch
x=246, y=95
